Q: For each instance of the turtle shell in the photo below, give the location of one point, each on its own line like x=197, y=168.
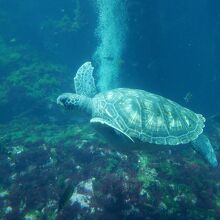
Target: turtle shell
x=147, y=117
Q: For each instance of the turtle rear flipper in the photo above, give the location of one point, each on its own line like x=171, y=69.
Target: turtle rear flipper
x=203, y=146
x=84, y=82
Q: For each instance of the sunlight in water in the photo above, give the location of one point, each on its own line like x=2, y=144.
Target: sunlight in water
x=111, y=34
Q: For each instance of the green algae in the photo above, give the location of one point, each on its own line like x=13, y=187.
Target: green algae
x=111, y=165
x=169, y=169
x=9, y=54
x=32, y=215
x=23, y=133
x=28, y=79
x=217, y=201
x=59, y=141
x=10, y=57
x=37, y=80
x=145, y=175
x=3, y=192
x=68, y=23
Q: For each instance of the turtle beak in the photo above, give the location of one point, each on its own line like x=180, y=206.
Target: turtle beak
x=61, y=100
x=65, y=100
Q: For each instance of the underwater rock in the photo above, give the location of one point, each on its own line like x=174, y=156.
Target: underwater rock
x=32, y=216
x=162, y=207
x=83, y=193
x=68, y=23
x=8, y=210
x=9, y=55
x=3, y=193
x=16, y=150
x=145, y=175
x=104, y=183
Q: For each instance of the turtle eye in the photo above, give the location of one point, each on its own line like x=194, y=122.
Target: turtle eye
x=64, y=101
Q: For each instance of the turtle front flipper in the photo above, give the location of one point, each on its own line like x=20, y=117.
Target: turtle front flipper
x=110, y=124
x=84, y=82
x=203, y=146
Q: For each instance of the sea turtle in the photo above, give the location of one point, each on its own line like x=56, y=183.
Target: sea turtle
x=139, y=115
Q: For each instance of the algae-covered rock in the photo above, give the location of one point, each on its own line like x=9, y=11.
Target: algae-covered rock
x=40, y=162
x=83, y=193
x=69, y=21
x=145, y=175
x=3, y=192
x=31, y=88
x=34, y=215
x=37, y=80
x=9, y=55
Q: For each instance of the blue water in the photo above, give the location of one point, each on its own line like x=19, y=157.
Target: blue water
x=172, y=47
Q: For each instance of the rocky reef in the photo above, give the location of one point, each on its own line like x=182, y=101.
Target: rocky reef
x=54, y=171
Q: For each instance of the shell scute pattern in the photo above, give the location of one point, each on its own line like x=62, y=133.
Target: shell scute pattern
x=148, y=117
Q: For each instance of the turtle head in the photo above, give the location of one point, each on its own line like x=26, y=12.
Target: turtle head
x=72, y=101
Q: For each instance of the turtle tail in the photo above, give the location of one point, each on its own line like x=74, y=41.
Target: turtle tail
x=203, y=146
